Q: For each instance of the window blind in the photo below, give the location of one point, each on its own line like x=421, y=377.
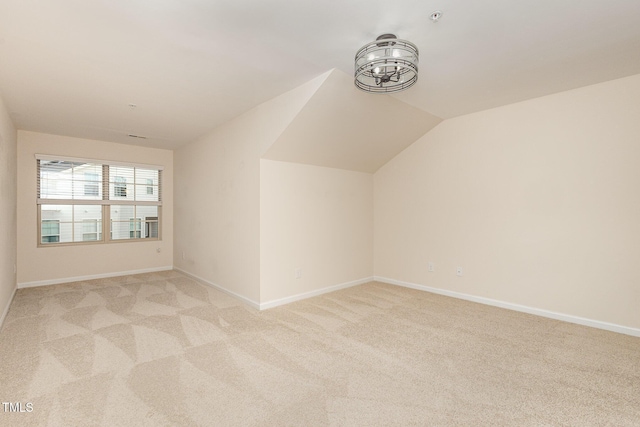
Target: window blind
x=78, y=198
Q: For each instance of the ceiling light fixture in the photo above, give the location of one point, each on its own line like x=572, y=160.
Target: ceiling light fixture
x=386, y=65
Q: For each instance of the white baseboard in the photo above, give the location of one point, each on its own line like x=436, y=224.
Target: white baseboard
x=6, y=309
x=91, y=277
x=516, y=307
x=220, y=288
x=298, y=297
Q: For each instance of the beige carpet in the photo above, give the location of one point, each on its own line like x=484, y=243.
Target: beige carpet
x=163, y=350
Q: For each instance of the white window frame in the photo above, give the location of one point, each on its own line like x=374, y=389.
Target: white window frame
x=104, y=232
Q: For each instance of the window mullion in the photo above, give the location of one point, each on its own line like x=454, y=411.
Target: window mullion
x=135, y=197
x=106, y=213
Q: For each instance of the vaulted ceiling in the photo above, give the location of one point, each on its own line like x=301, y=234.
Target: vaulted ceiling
x=171, y=70
x=342, y=127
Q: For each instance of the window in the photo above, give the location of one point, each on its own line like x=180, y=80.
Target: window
x=50, y=231
x=91, y=184
x=135, y=228
x=120, y=186
x=151, y=226
x=78, y=198
x=91, y=230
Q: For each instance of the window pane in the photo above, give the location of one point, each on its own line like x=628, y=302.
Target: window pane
x=147, y=182
x=149, y=215
x=134, y=222
x=91, y=230
x=84, y=212
x=55, y=223
x=54, y=231
x=122, y=212
x=87, y=223
x=150, y=187
x=121, y=215
x=92, y=185
x=146, y=176
x=121, y=183
x=119, y=230
x=147, y=212
x=151, y=227
x=87, y=179
x=146, y=193
x=70, y=223
x=70, y=180
x=50, y=232
x=120, y=186
x=56, y=179
x=135, y=228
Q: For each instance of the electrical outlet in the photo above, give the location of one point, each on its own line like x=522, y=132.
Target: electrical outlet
x=432, y=267
x=298, y=273
x=458, y=271
x=183, y=255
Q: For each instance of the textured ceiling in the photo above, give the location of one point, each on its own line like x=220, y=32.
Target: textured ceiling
x=72, y=67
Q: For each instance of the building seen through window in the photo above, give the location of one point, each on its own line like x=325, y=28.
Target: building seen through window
x=77, y=198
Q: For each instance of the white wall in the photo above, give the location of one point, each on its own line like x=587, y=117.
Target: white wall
x=217, y=208
x=538, y=201
x=316, y=219
x=50, y=264
x=218, y=195
x=8, y=201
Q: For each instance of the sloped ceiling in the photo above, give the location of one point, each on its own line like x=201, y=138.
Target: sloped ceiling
x=342, y=127
x=277, y=113
x=72, y=67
